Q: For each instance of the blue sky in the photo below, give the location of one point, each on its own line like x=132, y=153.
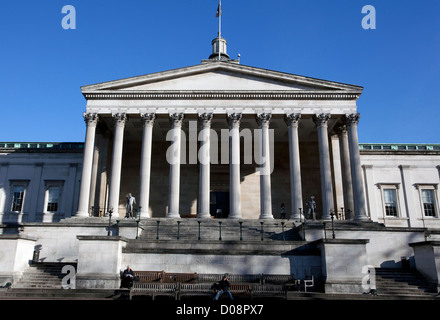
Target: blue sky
x=43, y=65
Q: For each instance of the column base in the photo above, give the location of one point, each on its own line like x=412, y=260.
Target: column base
x=82, y=214
x=266, y=216
x=361, y=218
x=173, y=215
x=144, y=215
x=203, y=216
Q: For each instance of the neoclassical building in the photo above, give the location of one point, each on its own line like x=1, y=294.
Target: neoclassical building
x=132, y=125
x=219, y=140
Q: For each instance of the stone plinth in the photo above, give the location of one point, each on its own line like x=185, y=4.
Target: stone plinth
x=342, y=263
x=15, y=254
x=427, y=258
x=99, y=262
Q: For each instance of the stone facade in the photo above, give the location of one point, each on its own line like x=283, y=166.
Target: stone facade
x=220, y=140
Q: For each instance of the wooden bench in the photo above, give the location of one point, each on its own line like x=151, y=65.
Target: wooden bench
x=154, y=289
x=148, y=276
x=268, y=290
x=206, y=289
x=164, y=277
x=277, y=278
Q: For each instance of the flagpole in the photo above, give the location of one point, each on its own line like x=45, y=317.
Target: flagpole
x=219, y=28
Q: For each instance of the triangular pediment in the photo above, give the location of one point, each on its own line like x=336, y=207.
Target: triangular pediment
x=220, y=76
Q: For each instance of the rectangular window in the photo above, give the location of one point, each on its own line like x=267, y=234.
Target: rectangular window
x=53, y=195
x=53, y=198
x=428, y=202
x=390, y=200
x=17, y=197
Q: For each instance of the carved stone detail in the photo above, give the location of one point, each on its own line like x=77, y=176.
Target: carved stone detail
x=321, y=119
x=119, y=119
x=234, y=119
x=292, y=119
x=205, y=119
x=176, y=119
x=148, y=119
x=263, y=119
x=91, y=119
x=352, y=119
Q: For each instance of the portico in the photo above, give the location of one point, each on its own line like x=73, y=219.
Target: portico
x=258, y=135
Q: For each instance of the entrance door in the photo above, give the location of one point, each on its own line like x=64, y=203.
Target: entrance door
x=219, y=204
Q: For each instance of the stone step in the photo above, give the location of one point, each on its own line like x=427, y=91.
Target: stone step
x=59, y=293
x=402, y=282
x=42, y=275
x=169, y=229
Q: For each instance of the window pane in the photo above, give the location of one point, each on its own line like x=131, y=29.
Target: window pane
x=53, y=198
x=428, y=202
x=17, y=198
x=390, y=202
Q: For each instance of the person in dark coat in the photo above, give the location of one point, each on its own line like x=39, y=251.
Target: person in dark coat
x=127, y=278
x=224, y=286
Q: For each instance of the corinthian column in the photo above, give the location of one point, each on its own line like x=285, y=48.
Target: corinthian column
x=360, y=209
x=292, y=121
x=321, y=121
x=119, y=120
x=204, y=166
x=176, y=120
x=91, y=120
x=234, y=165
x=145, y=172
x=346, y=171
x=263, y=121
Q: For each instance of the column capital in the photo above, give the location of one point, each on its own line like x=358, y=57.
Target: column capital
x=321, y=119
x=119, y=119
x=91, y=119
x=205, y=119
x=263, y=119
x=352, y=119
x=340, y=129
x=176, y=119
x=234, y=119
x=292, y=119
x=148, y=119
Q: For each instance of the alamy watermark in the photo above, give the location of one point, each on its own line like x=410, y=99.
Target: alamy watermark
x=369, y=279
x=369, y=20
x=69, y=20
x=254, y=151
x=69, y=280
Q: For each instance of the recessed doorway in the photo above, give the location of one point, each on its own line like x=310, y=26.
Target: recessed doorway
x=219, y=204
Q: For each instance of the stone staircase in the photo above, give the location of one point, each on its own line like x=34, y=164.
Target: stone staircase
x=402, y=282
x=43, y=275
x=214, y=229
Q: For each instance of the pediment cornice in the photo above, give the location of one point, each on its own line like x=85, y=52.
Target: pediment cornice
x=221, y=95
x=306, y=87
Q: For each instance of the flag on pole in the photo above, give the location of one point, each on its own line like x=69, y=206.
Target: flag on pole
x=219, y=9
